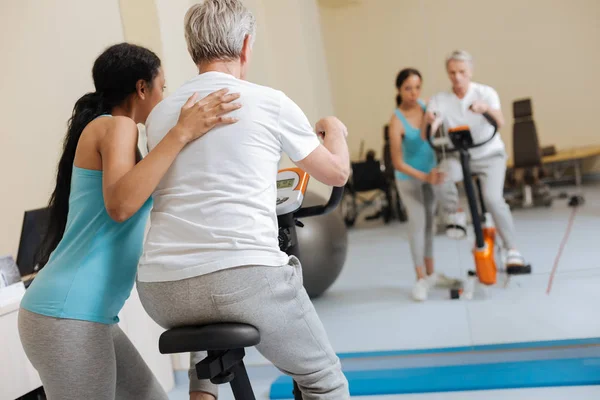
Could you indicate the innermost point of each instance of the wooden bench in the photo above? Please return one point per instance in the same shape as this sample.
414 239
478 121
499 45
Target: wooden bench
566 158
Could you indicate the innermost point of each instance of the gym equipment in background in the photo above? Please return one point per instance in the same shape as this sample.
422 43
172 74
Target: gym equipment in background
528 169
461 140
225 343
371 185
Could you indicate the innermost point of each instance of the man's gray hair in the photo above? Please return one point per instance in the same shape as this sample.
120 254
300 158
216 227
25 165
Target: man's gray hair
460 55
216 29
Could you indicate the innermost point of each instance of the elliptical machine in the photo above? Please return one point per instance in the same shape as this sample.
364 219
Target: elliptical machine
484 252
225 343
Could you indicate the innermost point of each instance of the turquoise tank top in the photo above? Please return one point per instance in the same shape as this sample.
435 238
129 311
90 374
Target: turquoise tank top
416 152
92 271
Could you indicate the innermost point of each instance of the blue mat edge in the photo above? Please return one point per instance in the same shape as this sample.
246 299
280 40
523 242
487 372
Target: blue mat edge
458 378
281 388
484 347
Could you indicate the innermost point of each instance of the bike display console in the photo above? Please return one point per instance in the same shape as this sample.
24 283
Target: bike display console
291 186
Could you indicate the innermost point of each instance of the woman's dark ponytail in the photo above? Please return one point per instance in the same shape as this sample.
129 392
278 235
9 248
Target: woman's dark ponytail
86 109
116 73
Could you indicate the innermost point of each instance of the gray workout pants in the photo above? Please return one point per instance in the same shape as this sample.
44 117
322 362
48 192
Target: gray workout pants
419 199
491 171
86 360
270 298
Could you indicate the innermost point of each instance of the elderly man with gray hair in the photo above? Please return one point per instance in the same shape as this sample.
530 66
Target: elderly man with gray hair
212 252
465 104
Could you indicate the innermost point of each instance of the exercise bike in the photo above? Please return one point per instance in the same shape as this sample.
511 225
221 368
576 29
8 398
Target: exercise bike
484 252
225 343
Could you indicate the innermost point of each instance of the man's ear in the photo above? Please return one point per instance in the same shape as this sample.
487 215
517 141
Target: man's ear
246 49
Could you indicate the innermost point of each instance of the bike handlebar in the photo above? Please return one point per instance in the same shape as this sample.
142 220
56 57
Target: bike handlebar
487 116
491 120
334 200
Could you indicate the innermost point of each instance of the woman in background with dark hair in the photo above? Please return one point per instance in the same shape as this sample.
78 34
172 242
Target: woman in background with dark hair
98 213
414 163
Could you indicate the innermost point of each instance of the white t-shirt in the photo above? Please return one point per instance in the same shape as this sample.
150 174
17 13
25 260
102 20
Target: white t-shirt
215 208
455 112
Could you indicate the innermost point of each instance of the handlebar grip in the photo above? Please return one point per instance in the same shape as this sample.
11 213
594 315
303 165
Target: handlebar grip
491 120
334 200
428 133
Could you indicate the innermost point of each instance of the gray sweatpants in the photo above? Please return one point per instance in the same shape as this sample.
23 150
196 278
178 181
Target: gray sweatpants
86 360
419 199
491 171
270 298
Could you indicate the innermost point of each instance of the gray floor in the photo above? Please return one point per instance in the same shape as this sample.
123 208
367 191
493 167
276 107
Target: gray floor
374 291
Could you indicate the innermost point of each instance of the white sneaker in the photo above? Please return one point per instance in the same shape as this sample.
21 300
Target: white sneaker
456 225
514 259
420 289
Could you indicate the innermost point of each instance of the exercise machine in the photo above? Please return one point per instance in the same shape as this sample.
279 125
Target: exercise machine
370 187
484 252
225 343
528 189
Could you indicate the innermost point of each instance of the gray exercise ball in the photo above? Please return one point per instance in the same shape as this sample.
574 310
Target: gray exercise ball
323 245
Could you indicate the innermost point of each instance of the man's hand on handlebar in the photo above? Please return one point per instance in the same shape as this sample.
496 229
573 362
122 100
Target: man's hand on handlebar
435 176
479 107
430 117
432 122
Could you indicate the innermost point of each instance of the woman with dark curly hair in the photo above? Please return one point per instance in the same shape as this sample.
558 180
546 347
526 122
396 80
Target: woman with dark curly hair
98 213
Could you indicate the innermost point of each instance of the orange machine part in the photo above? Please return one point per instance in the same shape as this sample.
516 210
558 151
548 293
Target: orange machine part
489 235
485 264
303 178
459 128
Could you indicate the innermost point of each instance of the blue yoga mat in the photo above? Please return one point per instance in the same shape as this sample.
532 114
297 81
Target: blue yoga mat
507 375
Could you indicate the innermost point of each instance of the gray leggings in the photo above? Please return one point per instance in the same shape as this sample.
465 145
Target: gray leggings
270 298
86 360
419 199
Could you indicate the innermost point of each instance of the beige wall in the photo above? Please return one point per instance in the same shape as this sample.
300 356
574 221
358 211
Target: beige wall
546 49
293 50
178 64
48 48
296 54
140 20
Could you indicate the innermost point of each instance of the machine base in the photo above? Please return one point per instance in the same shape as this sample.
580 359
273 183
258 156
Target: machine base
519 270
455 293
457 289
576 201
